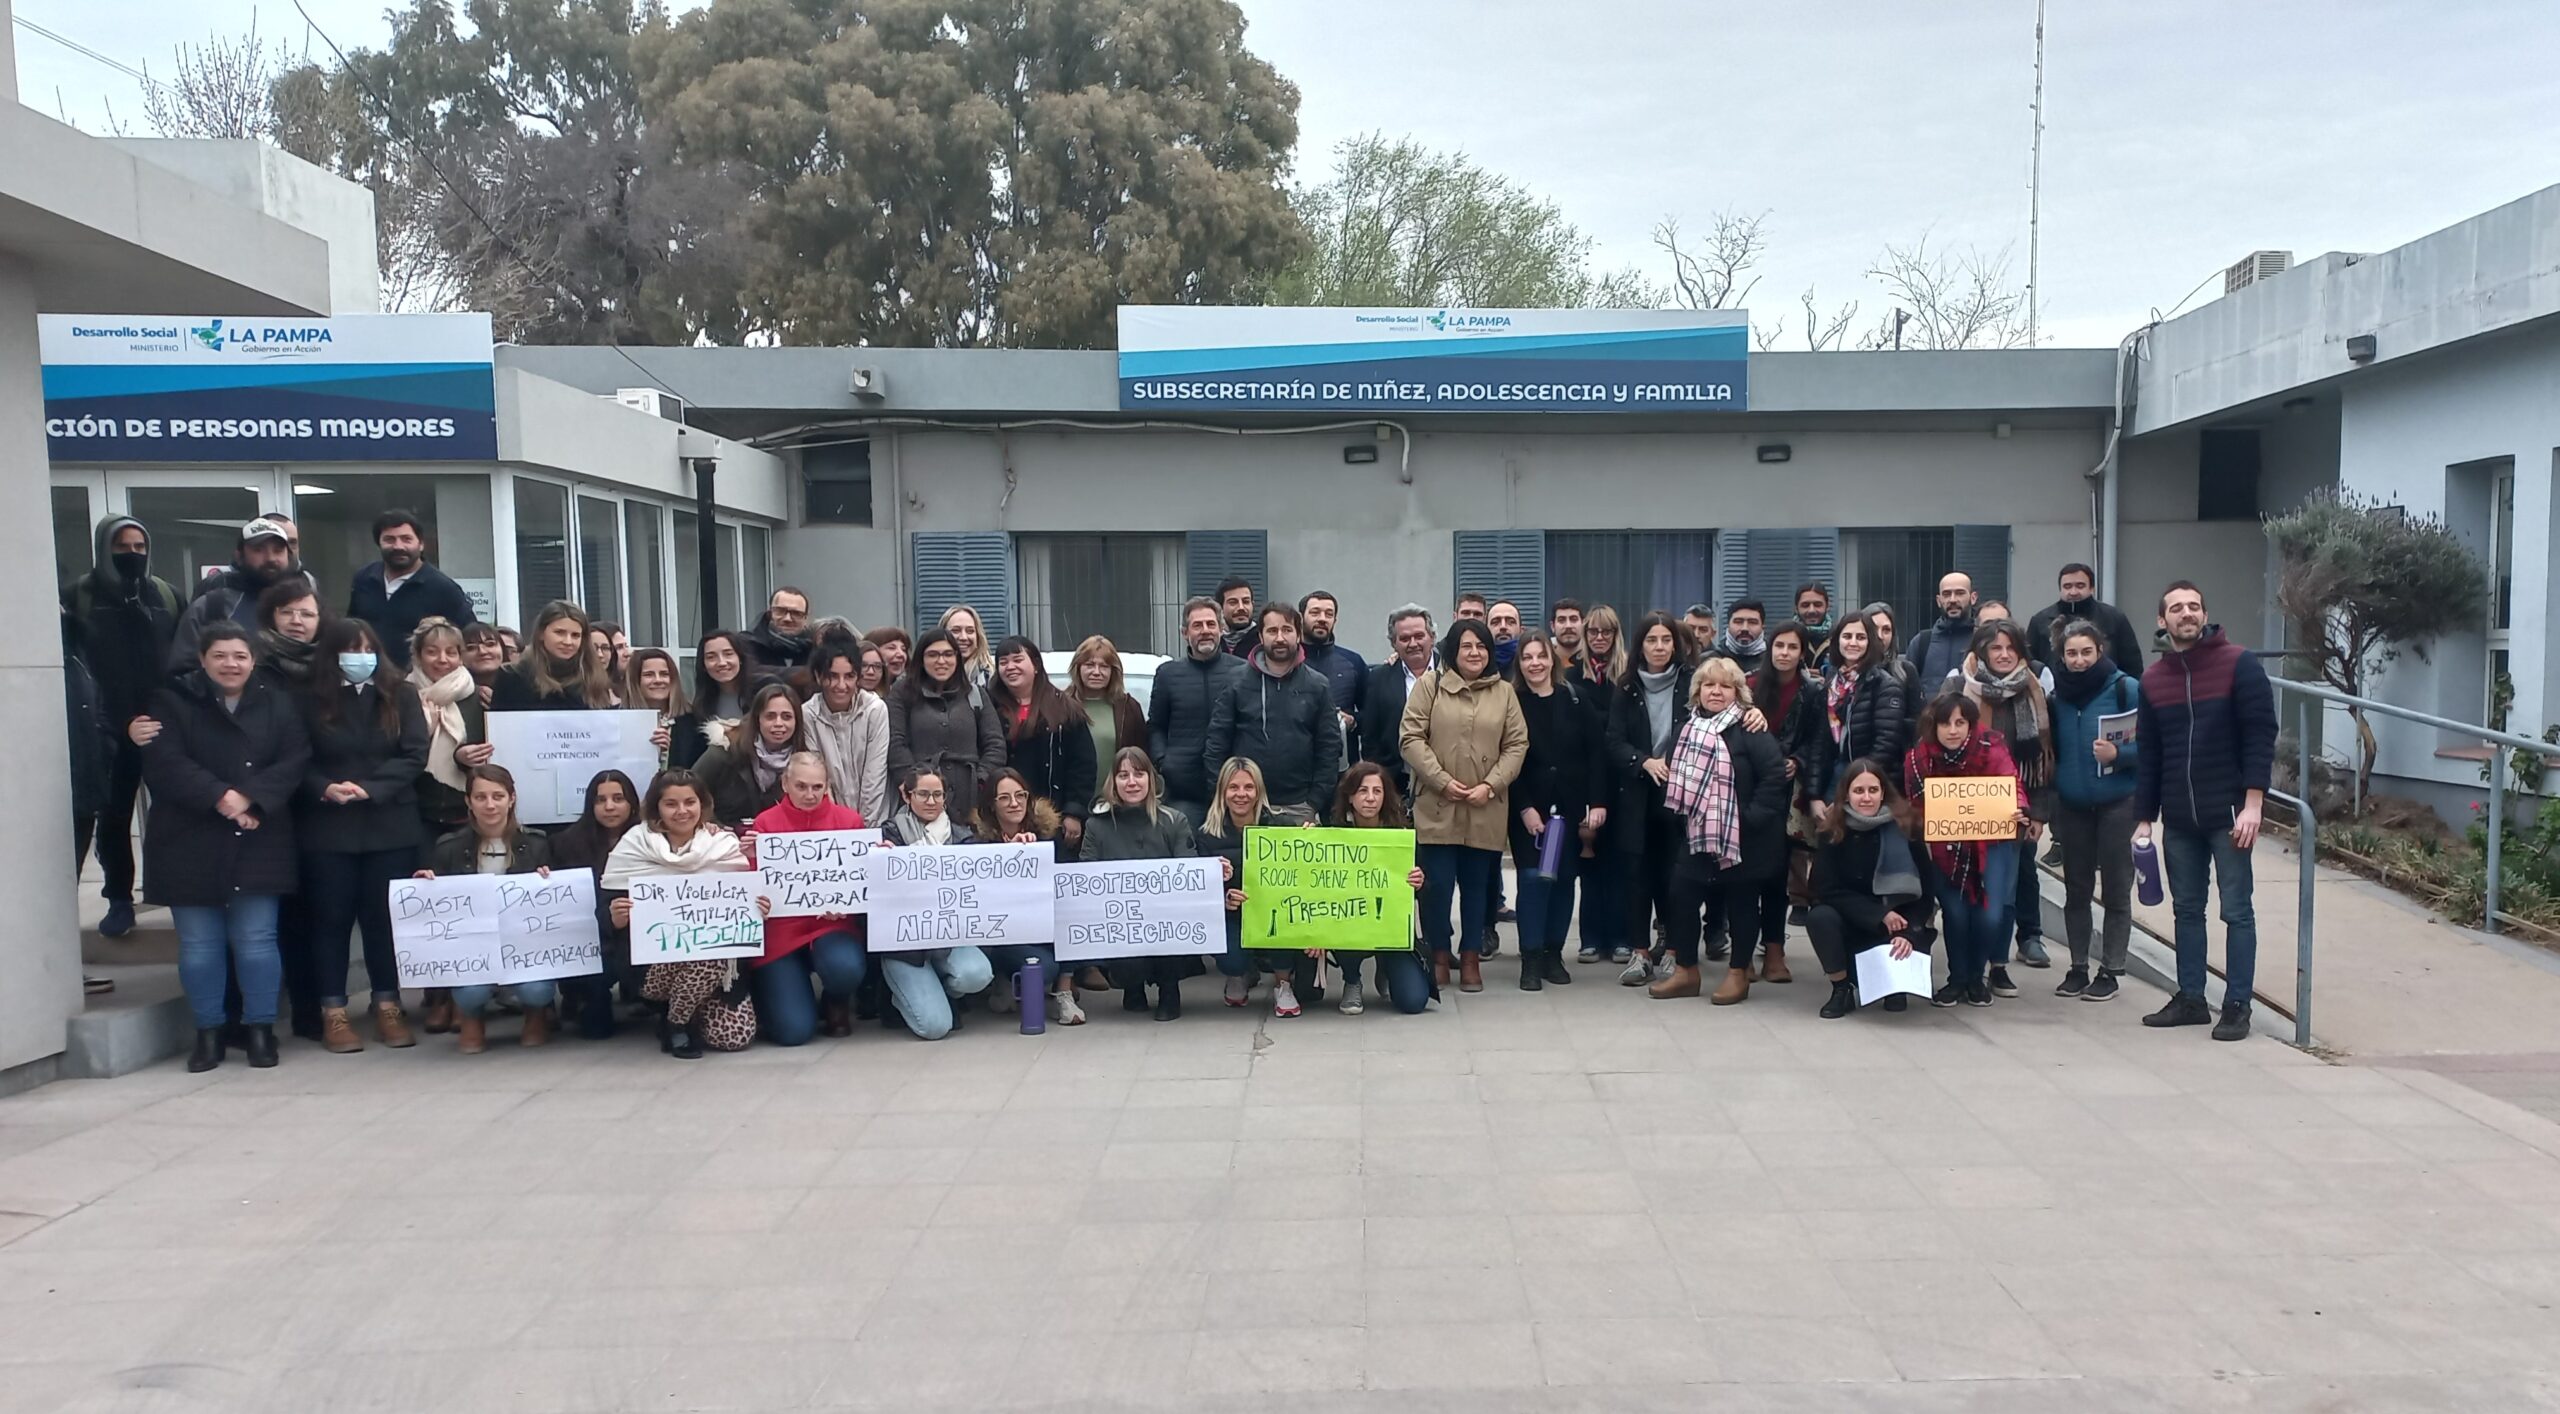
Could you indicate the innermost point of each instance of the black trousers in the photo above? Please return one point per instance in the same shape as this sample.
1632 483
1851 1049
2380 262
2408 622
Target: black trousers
112 828
1701 892
1647 870
1843 928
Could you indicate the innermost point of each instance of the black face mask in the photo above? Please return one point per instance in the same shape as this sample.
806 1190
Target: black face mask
132 565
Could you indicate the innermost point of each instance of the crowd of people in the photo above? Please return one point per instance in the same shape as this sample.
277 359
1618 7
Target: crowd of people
1699 786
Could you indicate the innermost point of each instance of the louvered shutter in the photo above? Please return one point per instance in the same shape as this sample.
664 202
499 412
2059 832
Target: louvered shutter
1982 551
1768 565
972 567
1503 564
1215 555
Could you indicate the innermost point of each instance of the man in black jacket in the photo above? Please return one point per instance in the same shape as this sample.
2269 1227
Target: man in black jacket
1939 649
2079 585
126 617
401 590
1382 696
780 640
1280 716
1235 610
1744 639
1344 671
264 556
1186 689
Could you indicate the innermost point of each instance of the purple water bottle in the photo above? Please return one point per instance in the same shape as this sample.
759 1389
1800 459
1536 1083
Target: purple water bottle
1032 990
2146 872
1551 844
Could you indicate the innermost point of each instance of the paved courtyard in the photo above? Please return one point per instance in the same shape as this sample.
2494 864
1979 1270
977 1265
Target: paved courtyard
1579 1199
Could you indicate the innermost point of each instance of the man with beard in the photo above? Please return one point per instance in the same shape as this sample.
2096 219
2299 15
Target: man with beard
1700 622
126 615
1564 625
1235 610
1742 639
1940 649
2079 586
1186 690
780 640
1343 669
264 555
1280 717
401 590
1813 610
1503 617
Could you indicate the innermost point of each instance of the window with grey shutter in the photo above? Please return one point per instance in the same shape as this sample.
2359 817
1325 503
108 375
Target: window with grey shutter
1503 564
1769 565
972 567
1982 552
1218 555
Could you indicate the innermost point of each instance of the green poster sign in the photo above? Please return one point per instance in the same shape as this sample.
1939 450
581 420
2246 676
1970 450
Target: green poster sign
1346 890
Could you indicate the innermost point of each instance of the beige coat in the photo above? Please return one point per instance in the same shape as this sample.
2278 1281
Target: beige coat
1467 731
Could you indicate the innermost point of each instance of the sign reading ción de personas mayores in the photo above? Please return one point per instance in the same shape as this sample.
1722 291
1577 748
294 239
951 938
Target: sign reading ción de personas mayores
1207 358
196 388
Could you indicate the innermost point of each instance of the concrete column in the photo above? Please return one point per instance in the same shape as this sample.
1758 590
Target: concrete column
40 946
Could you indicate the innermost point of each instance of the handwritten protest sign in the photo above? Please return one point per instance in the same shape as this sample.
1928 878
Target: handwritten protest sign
555 754
695 917
491 929
1140 908
961 895
811 872
1345 890
1969 808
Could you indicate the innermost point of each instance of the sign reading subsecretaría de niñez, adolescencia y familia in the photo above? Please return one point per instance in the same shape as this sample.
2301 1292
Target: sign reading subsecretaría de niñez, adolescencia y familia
1205 358
194 388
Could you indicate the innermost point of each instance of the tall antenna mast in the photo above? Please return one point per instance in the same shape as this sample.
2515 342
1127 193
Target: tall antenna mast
2035 177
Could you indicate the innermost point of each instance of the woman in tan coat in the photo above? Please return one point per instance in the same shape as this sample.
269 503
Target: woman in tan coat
1464 739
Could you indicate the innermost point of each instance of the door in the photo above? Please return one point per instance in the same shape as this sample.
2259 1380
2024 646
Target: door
79 503
194 515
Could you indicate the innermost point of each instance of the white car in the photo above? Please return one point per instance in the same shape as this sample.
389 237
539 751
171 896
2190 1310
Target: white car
1137 672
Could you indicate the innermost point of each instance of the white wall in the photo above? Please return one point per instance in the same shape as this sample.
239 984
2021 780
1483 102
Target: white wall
268 179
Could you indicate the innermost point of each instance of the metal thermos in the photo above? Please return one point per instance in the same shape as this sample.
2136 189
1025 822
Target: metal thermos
1551 843
2146 872
1031 987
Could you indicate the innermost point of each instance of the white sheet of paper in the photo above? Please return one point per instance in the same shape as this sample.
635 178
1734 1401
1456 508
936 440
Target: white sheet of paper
1879 976
555 754
1140 908
495 928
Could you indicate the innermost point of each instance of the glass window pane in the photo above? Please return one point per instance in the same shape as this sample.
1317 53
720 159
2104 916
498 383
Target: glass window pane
730 617
194 529
648 623
600 558
1127 588
756 548
336 512
542 545
688 583
2502 605
75 550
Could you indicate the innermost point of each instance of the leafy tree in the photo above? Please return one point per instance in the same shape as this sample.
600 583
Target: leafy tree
982 172
1398 224
2360 582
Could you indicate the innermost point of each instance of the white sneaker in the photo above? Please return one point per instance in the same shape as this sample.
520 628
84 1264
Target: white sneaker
1284 997
1239 991
1351 1003
1639 970
1064 1010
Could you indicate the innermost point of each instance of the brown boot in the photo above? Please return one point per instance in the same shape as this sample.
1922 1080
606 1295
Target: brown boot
337 1033
1683 982
537 1026
475 1034
839 1019
1470 972
391 1026
1736 986
1440 970
438 1017
1773 964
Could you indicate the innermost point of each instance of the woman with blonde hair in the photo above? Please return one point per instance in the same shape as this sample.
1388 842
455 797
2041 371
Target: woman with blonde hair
1095 683
969 634
1131 821
1243 803
1729 786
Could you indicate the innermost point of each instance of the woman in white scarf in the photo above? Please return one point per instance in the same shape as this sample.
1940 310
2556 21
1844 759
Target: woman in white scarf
457 740
850 729
679 837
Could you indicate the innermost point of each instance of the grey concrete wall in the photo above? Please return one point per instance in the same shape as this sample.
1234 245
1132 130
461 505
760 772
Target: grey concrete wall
266 178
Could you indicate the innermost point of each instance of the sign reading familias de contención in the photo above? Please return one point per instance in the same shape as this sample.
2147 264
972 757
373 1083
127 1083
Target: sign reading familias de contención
191 388
1209 358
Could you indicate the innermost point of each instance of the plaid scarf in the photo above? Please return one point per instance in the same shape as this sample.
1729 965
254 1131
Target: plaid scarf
1701 788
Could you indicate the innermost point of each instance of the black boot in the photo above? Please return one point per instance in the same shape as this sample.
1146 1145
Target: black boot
1844 1000
683 1044
208 1052
261 1047
1532 979
1551 967
1134 998
666 1034
1168 1001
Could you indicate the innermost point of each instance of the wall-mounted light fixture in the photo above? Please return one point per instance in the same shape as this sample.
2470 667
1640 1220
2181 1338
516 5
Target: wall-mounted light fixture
1359 454
1775 451
2360 348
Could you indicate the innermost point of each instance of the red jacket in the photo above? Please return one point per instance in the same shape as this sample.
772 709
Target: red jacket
784 936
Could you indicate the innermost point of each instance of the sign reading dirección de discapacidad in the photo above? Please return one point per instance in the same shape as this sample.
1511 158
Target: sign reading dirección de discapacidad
1969 808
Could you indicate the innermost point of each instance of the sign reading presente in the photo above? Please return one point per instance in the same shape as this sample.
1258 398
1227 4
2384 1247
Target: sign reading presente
1140 908
961 895
1223 358
490 929
193 388
694 917
1969 808
1345 890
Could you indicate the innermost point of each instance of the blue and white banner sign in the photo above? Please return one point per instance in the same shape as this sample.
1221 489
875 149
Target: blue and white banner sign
1200 358
194 388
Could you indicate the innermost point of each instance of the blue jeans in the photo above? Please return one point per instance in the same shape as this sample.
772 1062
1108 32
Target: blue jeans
2026 909
784 1005
1603 903
1469 873
1546 906
1407 986
921 985
212 940
2190 854
474 1001
1975 932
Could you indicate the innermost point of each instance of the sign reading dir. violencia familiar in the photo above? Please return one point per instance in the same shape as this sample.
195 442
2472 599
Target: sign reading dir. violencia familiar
1343 890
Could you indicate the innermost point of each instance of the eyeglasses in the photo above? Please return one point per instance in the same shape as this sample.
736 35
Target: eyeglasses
925 794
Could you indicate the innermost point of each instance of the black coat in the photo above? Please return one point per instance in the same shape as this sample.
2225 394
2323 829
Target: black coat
1346 673
737 798
458 852
2123 644
1287 726
128 629
354 747
512 690
1178 707
1567 769
1124 833
429 593
1804 729
1844 874
686 741
1381 721
1879 726
1630 745
440 805
1059 764
1761 789
192 856
93 741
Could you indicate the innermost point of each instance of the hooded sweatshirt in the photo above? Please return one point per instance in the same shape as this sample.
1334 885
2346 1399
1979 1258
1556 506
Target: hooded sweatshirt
1284 722
784 936
129 617
855 744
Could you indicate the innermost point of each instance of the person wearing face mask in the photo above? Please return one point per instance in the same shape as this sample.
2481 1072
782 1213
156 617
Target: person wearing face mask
1047 738
1742 642
401 590
494 843
264 558
1382 698
849 728
1186 691
218 842
612 807
827 949
742 776
128 618
1344 671
2078 589
357 821
557 672
1280 716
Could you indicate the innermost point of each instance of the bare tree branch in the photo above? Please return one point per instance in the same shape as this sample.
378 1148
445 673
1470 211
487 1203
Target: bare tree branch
222 88
1710 274
1959 300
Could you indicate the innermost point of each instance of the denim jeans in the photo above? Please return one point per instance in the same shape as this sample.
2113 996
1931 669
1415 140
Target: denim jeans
213 940
921 985
1546 905
474 1001
1468 873
784 1005
2190 854
1407 986
345 892
1976 932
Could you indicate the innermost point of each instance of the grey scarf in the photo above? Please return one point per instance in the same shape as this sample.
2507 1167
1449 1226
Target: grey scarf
769 761
2013 684
1896 875
1658 690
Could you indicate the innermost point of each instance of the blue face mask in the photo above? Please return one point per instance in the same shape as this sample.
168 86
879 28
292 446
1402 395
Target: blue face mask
357 667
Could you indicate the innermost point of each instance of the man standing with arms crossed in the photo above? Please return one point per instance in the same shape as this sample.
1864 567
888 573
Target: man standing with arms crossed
2208 734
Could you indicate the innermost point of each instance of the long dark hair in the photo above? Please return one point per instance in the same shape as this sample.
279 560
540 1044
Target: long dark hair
588 827
505 779
1050 708
582 677
1469 628
706 692
1875 653
1633 642
1835 825
749 730
324 689
1765 686
1391 814
915 682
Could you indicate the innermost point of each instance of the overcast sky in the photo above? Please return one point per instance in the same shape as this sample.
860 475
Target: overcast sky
2179 134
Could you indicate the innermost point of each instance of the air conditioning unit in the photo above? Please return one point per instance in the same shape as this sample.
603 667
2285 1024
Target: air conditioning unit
657 402
2258 265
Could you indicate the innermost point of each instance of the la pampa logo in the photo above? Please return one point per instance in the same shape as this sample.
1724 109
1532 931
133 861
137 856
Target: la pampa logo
209 335
217 335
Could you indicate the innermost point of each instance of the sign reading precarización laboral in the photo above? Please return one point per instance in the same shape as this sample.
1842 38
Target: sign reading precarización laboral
1203 358
193 388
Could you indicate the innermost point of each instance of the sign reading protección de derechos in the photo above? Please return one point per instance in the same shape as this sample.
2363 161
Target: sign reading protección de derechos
1345 890
1140 908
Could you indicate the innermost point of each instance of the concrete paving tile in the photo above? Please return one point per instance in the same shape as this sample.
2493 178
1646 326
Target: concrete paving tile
1467 1356
1642 1350
1969 1345
1569 1294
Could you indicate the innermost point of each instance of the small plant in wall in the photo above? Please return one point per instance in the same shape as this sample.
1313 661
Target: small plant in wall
2361 583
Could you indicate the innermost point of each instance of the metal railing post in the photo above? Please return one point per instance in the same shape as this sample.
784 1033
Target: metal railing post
2497 831
2307 834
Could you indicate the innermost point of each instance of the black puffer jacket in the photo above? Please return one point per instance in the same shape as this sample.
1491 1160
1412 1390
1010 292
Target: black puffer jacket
192 856
1879 727
354 747
1058 762
1178 708
1761 788
953 729
1286 725
1125 833
1802 729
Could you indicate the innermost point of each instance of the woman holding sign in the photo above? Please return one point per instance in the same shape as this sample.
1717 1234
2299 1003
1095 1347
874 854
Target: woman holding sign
923 985
744 773
2004 680
358 820
612 807
798 949
1974 874
1135 823
679 838
555 673
1367 799
1243 804
493 843
1867 885
1464 739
